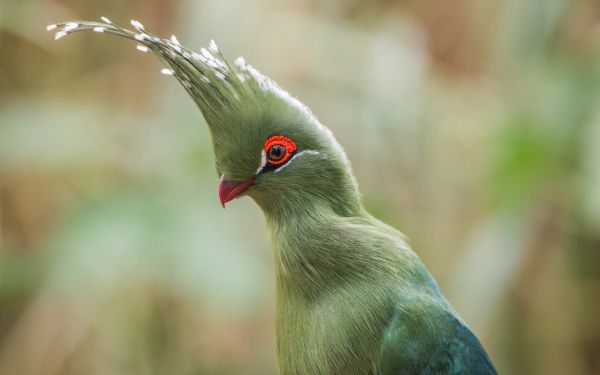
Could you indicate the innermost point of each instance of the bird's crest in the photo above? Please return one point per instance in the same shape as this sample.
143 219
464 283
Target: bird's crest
217 86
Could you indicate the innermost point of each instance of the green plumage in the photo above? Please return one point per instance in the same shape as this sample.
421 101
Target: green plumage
352 297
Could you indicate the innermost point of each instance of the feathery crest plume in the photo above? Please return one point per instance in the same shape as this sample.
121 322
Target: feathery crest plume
208 78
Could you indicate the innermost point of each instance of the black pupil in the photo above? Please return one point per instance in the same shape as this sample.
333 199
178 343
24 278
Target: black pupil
276 152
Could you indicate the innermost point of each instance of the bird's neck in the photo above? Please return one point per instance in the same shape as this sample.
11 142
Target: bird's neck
305 249
302 208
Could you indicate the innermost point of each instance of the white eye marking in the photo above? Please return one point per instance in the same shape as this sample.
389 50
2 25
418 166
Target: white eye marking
263 161
311 152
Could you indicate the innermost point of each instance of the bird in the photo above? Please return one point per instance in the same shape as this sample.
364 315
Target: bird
351 296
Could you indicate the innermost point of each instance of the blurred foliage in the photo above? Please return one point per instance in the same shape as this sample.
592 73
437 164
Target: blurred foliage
473 126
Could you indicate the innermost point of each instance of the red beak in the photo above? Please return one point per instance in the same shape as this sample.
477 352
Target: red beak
230 190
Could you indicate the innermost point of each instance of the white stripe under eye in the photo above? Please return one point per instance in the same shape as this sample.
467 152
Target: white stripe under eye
311 152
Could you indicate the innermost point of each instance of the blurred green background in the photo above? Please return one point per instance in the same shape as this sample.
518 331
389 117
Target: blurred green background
473 126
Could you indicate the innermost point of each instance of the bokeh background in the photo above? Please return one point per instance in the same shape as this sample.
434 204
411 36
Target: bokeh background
473 126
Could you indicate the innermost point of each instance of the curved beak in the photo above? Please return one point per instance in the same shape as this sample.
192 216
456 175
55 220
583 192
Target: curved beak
230 190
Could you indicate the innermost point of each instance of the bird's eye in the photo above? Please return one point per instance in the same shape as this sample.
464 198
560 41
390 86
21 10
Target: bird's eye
279 149
276 153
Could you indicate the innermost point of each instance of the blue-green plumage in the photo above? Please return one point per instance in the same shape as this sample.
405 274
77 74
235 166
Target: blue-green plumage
352 297
435 343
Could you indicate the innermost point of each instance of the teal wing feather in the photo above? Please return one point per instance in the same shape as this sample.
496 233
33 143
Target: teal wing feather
431 343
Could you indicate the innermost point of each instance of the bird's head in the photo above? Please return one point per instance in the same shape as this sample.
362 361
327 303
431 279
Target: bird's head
267 144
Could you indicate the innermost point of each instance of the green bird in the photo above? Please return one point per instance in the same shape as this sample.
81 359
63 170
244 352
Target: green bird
351 296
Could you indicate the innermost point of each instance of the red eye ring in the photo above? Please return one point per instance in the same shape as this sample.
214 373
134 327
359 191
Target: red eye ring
280 140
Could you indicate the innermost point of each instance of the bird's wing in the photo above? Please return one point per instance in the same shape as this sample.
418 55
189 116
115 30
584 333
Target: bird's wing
431 342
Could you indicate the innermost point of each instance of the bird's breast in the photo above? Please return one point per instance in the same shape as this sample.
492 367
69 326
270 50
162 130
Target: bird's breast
339 332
